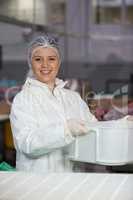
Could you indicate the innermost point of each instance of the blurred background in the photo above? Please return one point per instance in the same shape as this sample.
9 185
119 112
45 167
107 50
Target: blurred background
96 38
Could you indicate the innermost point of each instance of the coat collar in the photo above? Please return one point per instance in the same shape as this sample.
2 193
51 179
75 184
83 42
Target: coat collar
34 82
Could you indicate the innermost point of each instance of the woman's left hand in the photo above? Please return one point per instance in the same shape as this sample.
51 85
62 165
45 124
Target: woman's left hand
130 118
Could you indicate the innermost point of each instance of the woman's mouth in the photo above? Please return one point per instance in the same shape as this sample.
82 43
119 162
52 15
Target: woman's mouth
45 72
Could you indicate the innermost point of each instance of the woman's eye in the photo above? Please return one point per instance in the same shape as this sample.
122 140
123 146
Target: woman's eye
51 59
37 59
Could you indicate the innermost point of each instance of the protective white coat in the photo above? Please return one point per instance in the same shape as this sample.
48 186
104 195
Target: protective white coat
38 120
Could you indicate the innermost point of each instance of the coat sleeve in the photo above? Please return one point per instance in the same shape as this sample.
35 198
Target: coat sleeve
29 137
85 111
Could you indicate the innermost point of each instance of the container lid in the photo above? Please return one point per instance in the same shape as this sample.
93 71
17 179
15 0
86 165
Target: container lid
121 123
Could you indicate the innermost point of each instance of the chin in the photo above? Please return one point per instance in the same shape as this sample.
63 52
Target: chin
47 80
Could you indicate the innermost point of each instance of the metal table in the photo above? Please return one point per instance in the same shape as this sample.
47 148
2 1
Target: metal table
65 186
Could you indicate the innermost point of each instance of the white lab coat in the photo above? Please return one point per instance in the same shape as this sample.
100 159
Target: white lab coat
38 120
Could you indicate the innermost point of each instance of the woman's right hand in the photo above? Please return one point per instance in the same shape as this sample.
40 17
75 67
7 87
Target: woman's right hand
77 127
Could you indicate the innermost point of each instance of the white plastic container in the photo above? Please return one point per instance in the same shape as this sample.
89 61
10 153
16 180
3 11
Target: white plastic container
108 143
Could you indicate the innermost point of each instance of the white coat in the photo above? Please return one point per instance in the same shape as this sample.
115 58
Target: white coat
38 120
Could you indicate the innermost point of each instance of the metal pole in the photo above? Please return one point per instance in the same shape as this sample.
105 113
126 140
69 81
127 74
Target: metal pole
86 30
0 56
123 12
34 17
98 12
65 71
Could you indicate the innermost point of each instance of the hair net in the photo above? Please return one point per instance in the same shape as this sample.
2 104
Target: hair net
42 41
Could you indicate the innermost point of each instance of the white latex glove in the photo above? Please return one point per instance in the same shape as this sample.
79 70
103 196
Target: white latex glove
77 127
129 117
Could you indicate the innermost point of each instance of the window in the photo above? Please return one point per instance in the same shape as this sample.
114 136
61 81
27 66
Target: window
112 11
129 11
57 12
106 11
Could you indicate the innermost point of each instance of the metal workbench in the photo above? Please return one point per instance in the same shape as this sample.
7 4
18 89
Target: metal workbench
65 186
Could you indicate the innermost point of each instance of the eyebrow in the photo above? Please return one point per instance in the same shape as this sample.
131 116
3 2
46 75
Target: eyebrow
42 56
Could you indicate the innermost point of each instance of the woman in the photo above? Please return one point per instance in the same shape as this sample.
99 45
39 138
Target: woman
45 117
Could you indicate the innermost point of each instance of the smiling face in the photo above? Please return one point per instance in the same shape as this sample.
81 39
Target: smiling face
45 64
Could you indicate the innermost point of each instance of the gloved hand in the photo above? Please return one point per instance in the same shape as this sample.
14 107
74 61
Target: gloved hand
129 117
77 127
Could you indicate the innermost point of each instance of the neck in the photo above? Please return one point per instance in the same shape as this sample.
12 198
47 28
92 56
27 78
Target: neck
51 86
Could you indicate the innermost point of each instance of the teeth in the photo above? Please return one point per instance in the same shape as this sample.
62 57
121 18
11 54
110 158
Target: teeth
45 72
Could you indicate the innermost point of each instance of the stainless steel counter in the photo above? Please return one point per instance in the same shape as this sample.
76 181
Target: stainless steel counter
65 186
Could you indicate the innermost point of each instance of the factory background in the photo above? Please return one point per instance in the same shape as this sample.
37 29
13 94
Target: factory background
96 38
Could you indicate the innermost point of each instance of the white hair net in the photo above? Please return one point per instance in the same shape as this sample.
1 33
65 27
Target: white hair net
42 41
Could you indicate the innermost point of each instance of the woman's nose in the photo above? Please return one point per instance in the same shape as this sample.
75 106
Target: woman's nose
45 63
